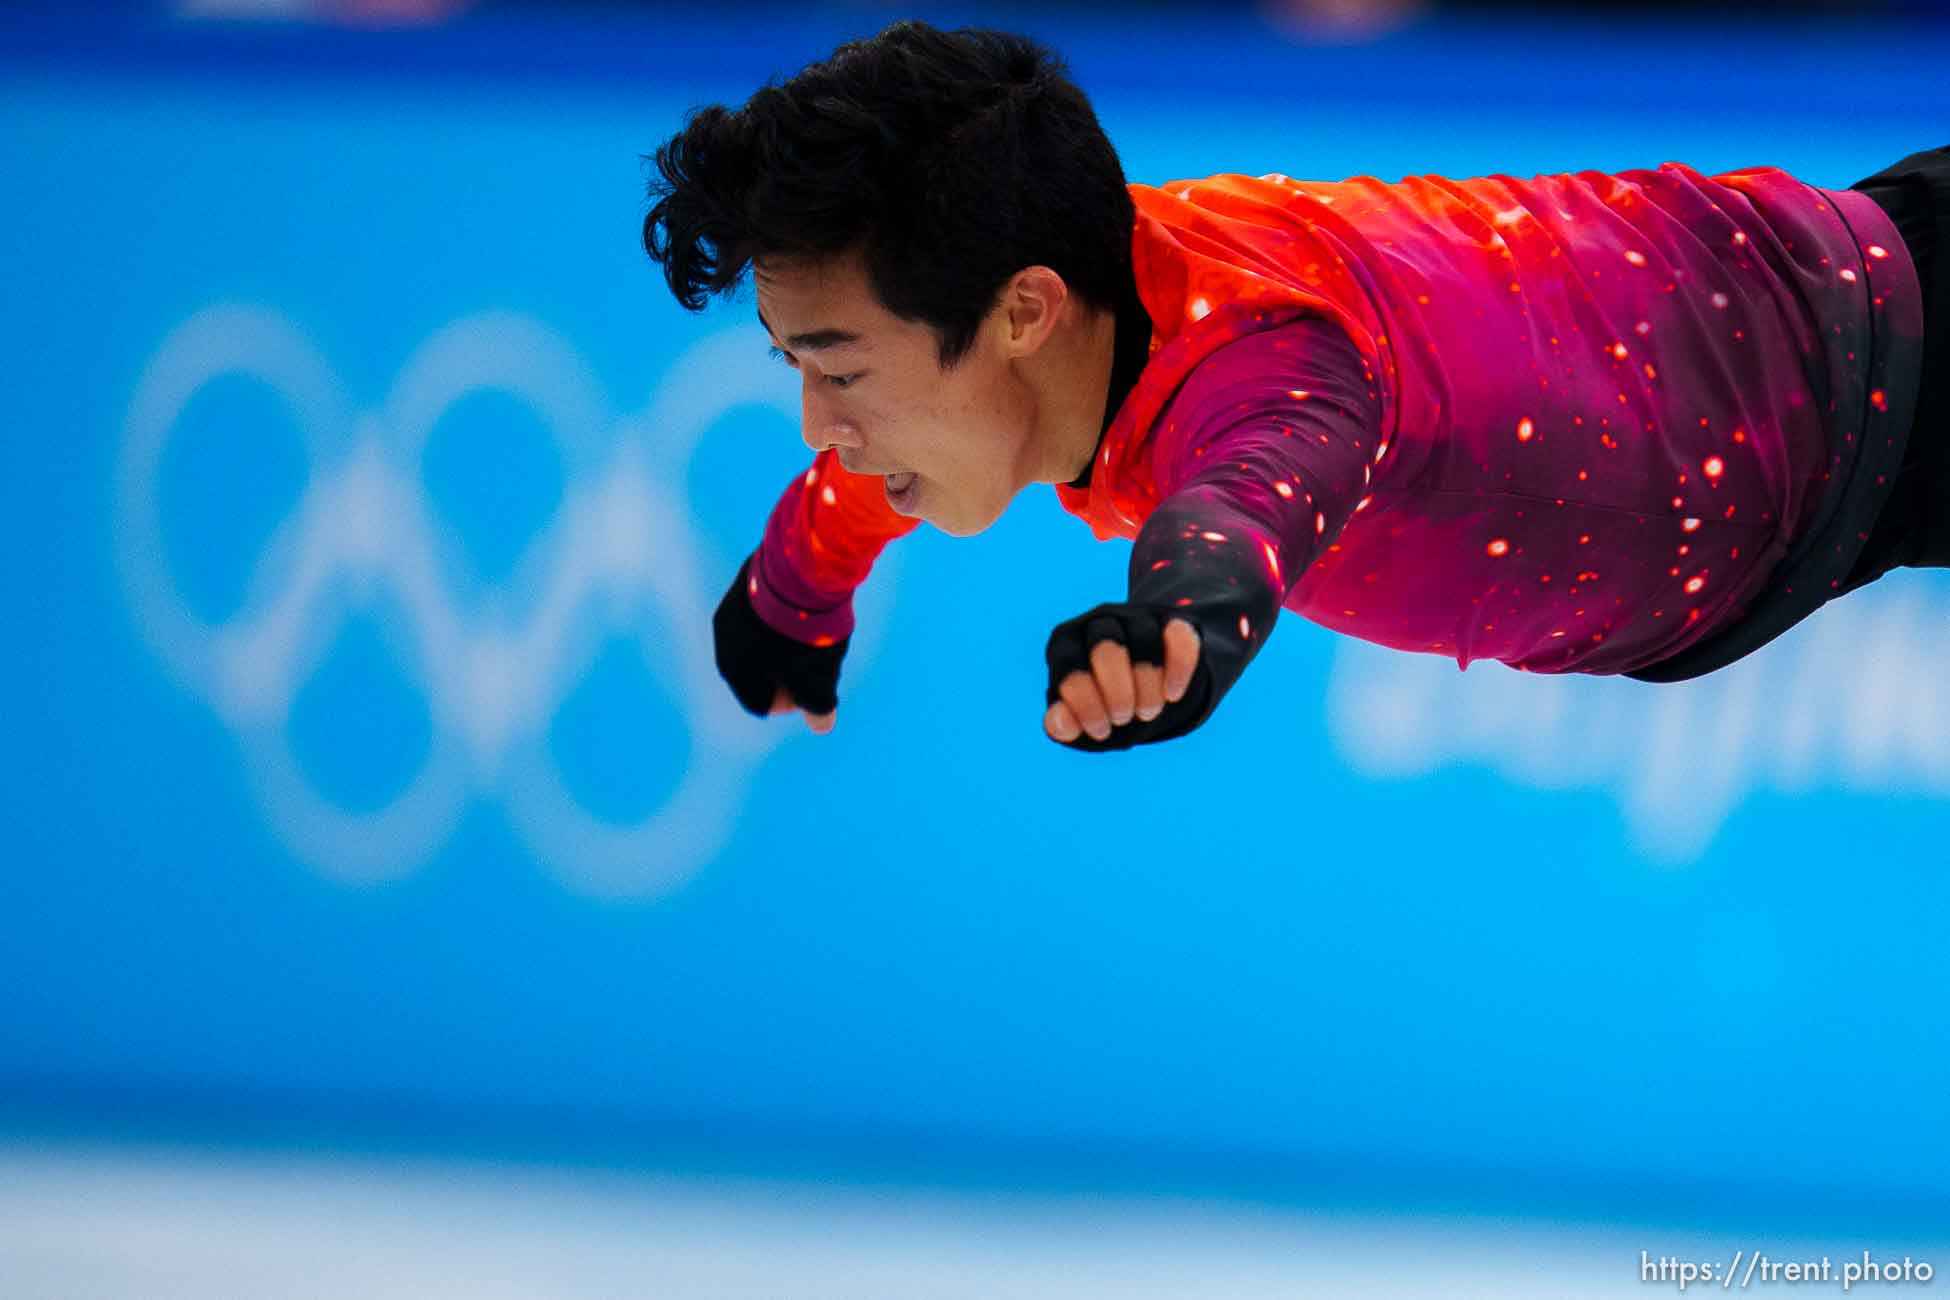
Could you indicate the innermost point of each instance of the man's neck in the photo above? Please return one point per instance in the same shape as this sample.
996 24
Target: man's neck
1073 400
1131 350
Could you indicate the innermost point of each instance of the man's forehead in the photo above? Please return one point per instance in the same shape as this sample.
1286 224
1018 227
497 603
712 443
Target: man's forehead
805 272
810 304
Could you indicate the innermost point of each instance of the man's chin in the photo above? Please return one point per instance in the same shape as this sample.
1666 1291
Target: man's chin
960 526
954 514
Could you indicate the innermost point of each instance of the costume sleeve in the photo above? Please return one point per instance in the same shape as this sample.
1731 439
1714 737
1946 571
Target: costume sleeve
827 529
1265 453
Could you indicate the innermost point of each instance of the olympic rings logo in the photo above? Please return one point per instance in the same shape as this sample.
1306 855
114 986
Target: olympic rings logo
620 557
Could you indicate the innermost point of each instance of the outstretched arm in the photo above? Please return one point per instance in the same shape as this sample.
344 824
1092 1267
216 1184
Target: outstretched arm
1267 448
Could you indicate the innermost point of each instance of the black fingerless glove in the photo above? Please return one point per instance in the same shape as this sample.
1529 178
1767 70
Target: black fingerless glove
1223 654
755 659
1141 630
1183 568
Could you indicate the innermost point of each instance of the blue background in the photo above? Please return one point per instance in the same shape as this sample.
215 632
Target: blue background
1382 932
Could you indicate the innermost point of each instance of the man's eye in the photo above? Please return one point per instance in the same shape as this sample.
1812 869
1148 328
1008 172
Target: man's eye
843 381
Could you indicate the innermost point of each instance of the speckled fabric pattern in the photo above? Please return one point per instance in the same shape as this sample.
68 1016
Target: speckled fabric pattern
1570 423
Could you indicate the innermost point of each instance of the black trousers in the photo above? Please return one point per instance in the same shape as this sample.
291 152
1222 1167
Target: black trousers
1913 529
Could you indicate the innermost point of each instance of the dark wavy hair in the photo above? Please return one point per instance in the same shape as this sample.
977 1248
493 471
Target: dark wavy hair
951 160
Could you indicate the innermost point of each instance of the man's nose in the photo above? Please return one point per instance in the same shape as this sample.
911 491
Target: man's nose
822 426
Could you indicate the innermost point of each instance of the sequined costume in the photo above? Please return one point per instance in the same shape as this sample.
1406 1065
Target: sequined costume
1574 423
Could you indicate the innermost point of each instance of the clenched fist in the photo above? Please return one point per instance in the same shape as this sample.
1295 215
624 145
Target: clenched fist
768 671
1123 675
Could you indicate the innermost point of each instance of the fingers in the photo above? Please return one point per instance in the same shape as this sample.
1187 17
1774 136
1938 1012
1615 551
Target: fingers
1079 691
1109 695
1100 699
820 723
1181 657
1111 663
1150 681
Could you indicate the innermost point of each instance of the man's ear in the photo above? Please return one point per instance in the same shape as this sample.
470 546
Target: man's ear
1032 303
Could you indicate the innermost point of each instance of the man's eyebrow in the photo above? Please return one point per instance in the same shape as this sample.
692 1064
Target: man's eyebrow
813 340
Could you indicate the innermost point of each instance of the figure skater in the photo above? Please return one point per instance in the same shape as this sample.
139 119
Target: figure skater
1636 423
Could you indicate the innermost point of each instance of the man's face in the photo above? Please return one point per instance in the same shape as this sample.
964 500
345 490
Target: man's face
874 390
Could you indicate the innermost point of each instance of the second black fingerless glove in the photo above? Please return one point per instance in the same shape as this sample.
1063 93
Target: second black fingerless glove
1180 568
1140 629
755 659
1139 626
